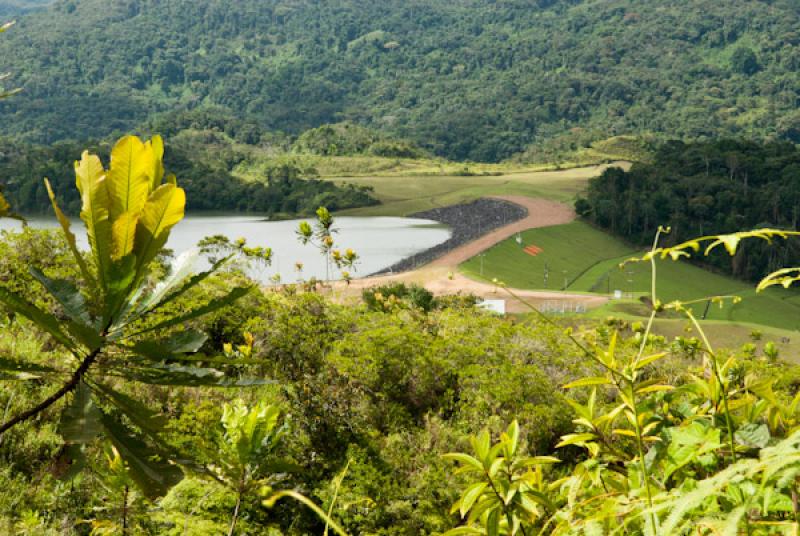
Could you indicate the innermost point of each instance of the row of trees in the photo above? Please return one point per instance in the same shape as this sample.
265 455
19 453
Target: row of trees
705 188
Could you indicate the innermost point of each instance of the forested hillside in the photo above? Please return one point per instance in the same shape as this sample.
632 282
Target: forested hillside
471 79
17 7
705 188
203 161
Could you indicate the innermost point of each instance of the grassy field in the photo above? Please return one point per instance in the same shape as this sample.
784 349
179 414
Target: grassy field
578 258
401 195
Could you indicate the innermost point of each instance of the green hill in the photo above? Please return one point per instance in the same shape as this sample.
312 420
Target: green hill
474 79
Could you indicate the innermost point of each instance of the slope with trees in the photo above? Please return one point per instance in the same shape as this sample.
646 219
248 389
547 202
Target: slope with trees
705 188
472 80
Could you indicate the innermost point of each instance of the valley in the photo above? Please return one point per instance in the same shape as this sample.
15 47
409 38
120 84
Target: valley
399 267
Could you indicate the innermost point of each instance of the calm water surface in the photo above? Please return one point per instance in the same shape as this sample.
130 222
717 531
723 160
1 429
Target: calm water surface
379 241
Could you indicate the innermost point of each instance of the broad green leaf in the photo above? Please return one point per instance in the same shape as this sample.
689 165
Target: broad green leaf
189 376
181 269
148 420
67 295
182 342
210 307
495 467
148 468
643 362
80 421
76 454
166 291
471 495
9 365
164 208
121 277
584 382
69 236
493 523
513 436
157 172
689 444
465 459
91 181
573 439
44 320
481 445
18 376
129 180
753 435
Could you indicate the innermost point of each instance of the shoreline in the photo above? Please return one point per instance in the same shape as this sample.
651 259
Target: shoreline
468 222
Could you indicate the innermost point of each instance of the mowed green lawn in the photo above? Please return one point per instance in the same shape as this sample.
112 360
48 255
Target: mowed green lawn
579 258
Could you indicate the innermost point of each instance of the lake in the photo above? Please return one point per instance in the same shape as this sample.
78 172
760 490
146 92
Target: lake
379 241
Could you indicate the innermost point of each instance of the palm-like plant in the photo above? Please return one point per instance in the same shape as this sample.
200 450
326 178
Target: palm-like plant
245 457
108 329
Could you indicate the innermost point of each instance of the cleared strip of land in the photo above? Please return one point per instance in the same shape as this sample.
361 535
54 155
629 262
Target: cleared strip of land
403 195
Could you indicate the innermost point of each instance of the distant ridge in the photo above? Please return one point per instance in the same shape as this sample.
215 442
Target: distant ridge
473 80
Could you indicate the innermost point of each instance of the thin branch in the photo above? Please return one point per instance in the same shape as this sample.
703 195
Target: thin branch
55 397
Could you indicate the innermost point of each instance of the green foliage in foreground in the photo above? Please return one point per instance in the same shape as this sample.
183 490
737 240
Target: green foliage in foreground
386 394
716 453
105 325
366 410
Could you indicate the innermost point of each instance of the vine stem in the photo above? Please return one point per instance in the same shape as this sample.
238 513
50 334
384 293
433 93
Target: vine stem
68 387
642 346
509 516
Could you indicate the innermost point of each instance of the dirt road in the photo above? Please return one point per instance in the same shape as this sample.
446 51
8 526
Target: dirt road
541 213
441 276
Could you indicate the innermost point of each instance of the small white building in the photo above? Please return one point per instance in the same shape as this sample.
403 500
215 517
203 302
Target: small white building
495 306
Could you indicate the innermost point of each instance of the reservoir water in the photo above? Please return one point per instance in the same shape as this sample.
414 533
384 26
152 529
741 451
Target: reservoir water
379 241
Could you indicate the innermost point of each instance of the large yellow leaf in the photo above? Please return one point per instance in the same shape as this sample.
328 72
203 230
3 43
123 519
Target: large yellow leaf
91 180
157 171
69 235
163 210
123 232
129 176
5 208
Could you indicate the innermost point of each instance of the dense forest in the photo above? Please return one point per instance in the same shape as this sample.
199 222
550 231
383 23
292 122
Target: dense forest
284 189
706 188
474 79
